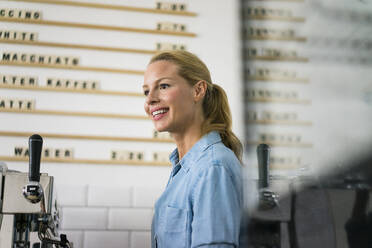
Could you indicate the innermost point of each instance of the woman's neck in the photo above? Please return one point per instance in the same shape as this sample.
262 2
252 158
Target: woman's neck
186 140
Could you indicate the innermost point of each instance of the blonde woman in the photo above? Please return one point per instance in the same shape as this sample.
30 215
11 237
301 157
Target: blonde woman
202 203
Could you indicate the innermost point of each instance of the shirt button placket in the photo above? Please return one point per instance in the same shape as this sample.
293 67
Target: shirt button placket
156 241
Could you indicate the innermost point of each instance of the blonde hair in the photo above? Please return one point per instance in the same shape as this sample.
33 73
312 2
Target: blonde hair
215 104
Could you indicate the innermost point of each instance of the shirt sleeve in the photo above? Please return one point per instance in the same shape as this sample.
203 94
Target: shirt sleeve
217 208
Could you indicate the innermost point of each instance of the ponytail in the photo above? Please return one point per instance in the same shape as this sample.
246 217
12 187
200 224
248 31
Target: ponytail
215 104
218 118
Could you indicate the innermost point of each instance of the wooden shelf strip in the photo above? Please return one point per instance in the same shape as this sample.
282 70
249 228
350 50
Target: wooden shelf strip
278 100
87 161
276 18
96 26
294 123
79 91
297 39
70 113
78 46
270 58
297 1
282 166
110 6
300 145
269 79
85 137
78 68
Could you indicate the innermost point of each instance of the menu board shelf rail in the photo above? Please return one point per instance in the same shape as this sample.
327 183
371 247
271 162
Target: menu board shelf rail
85 137
276 122
96 26
68 90
78 67
86 161
296 1
110 6
278 144
256 37
73 113
278 79
78 46
282 166
274 58
276 18
278 100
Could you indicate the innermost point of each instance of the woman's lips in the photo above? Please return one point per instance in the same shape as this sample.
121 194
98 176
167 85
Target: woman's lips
159 116
160 113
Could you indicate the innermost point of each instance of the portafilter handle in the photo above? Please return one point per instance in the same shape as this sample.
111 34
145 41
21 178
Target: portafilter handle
263 157
33 191
267 198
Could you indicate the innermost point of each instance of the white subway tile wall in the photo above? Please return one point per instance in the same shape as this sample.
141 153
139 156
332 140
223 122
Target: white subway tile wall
84 218
72 195
109 239
100 216
140 239
109 197
130 219
145 197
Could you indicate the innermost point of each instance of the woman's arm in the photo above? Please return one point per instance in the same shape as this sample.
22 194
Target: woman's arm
217 208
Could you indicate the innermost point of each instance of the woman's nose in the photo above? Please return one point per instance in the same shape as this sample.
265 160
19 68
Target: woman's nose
152 97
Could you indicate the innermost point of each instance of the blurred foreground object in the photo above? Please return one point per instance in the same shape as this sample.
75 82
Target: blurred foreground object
332 210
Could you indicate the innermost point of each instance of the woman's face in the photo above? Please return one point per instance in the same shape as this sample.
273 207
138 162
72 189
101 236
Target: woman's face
170 99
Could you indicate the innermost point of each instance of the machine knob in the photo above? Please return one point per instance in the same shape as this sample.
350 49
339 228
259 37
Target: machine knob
33 192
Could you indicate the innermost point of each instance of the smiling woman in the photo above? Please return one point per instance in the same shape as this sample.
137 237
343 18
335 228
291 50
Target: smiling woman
202 203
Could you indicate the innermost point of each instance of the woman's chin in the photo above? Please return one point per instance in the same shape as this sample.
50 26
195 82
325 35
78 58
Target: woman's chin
161 128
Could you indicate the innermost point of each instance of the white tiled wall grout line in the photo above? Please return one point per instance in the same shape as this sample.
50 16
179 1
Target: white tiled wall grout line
86 194
107 218
83 240
131 203
130 239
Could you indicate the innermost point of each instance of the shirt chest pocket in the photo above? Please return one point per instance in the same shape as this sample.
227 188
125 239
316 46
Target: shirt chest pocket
174 227
175 219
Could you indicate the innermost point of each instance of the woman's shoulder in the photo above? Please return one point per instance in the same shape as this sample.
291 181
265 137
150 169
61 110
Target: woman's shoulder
218 156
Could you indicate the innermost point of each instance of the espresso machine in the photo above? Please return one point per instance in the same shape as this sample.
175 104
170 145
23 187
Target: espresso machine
29 215
332 210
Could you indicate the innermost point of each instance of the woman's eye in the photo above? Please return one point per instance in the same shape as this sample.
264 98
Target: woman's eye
146 92
164 86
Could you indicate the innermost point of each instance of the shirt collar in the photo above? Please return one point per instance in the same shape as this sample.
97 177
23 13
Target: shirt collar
196 150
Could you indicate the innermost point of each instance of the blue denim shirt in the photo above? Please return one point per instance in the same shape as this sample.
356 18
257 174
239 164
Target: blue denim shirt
202 203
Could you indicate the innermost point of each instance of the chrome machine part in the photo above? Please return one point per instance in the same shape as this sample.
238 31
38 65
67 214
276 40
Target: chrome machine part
28 205
33 192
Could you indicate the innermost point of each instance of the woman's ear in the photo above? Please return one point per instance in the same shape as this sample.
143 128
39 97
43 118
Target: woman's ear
200 88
